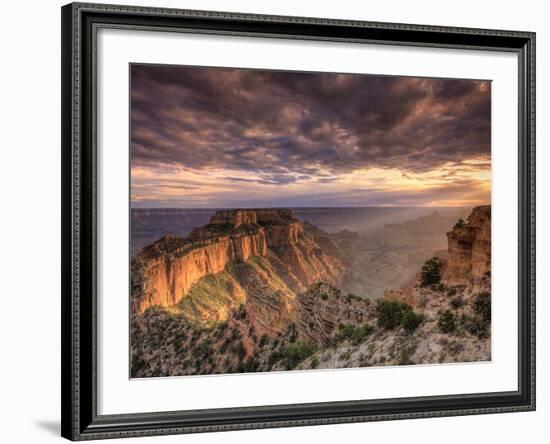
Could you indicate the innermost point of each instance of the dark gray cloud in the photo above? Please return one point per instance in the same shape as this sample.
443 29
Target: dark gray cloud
286 126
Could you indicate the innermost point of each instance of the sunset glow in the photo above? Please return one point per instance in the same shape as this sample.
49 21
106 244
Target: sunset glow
213 138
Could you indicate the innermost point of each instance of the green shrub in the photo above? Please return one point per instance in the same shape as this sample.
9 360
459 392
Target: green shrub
240 313
225 345
411 321
360 333
482 306
390 313
222 326
446 322
137 363
251 365
292 332
451 291
314 362
203 350
457 302
352 296
455 348
264 340
274 357
460 223
405 355
431 272
344 356
235 334
346 331
239 350
292 354
179 345
477 327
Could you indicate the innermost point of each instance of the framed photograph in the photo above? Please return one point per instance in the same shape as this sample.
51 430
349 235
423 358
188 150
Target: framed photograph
282 221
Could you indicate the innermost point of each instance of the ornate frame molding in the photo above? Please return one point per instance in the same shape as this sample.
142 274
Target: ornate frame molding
80 22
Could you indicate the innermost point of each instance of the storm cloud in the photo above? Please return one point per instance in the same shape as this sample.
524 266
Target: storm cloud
280 128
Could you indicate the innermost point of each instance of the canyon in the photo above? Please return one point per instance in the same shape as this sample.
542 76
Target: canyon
261 290
286 257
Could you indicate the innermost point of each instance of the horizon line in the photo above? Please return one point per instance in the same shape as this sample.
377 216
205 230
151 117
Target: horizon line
292 206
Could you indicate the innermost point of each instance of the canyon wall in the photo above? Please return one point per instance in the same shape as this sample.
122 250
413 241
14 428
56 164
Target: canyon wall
164 272
253 216
323 308
469 249
166 277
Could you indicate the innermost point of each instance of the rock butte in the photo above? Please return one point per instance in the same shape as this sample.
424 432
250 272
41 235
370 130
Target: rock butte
469 259
466 262
163 273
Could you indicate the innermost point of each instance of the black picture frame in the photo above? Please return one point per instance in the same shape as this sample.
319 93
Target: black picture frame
80 420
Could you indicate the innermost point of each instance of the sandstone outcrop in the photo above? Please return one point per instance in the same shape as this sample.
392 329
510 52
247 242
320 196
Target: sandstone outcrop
254 216
469 250
164 273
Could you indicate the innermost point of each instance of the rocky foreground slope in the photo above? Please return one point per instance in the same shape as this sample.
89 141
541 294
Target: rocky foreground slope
259 290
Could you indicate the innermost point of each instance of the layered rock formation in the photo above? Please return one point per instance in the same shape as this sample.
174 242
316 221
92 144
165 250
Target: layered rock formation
469 251
452 311
258 290
465 264
323 308
164 273
255 216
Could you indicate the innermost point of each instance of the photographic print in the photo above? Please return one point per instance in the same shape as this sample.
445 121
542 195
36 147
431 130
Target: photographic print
288 220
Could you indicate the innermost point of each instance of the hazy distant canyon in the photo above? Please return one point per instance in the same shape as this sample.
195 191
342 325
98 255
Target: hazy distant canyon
385 246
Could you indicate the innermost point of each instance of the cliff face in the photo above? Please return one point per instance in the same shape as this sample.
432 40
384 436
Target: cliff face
247 217
469 249
164 273
263 291
168 276
323 308
465 264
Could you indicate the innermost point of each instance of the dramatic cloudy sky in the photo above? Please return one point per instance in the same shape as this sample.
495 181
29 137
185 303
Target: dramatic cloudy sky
210 138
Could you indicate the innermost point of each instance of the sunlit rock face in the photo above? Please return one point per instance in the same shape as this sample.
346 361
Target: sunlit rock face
253 216
164 272
167 277
469 260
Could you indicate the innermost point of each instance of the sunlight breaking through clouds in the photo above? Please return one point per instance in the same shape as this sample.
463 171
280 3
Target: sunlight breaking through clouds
204 137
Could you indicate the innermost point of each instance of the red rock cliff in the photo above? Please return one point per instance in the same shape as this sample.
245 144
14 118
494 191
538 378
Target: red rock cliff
252 216
165 271
470 249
